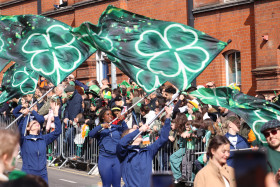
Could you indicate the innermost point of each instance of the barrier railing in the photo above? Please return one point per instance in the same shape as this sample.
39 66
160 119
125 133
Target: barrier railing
75 147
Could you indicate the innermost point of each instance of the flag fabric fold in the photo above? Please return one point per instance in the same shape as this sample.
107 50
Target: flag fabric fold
149 51
170 51
43 45
18 81
254 111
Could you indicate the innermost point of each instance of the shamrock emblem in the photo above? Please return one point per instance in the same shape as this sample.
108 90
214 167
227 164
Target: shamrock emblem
53 52
145 79
104 43
88 30
162 51
24 81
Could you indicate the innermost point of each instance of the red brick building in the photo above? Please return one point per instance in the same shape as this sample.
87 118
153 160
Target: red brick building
253 26
251 60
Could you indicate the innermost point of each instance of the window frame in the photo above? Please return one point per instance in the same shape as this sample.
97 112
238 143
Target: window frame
235 65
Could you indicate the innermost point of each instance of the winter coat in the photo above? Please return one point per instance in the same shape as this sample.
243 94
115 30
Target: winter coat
108 138
74 106
136 162
81 85
212 175
33 148
241 144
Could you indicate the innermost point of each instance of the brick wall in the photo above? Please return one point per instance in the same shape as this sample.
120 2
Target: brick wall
244 24
237 24
175 10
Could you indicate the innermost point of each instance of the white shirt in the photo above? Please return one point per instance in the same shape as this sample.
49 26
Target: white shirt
226 182
233 140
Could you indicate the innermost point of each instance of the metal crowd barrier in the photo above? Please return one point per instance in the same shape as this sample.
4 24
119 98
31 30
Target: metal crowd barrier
73 148
5 120
66 147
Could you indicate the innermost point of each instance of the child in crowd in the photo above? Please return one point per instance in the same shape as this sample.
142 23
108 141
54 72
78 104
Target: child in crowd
82 130
188 159
176 158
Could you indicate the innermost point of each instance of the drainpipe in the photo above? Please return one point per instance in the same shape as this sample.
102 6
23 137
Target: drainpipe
190 14
191 24
39 7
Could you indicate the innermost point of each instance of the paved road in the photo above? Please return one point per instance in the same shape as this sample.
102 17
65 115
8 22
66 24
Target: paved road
66 177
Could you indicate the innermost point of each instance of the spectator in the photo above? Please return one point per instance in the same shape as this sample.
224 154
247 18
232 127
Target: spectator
82 130
271 131
136 108
168 93
177 157
63 4
216 172
43 83
38 94
147 114
105 84
44 110
73 108
236 141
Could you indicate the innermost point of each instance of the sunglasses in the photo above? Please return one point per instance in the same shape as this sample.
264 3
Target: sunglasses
267 133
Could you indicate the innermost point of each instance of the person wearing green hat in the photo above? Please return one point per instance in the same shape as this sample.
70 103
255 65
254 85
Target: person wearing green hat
93 91
106 95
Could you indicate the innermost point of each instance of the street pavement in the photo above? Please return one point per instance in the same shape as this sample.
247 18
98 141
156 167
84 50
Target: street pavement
66 177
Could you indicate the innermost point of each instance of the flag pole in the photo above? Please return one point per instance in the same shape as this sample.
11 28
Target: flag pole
127 110
30 107
130 108
150 123
28 118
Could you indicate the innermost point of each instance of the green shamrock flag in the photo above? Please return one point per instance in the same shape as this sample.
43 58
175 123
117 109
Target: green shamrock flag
42 44
168 51
18 81
253 110
145 79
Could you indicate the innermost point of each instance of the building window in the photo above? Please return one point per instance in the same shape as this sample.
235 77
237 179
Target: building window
233 68
227 1
278 54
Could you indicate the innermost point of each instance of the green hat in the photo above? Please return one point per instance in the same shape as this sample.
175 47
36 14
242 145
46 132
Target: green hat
16 174
107 95
94 88
126 84
71 83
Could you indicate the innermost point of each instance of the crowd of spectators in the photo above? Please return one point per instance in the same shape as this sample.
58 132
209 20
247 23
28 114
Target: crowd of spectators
193 123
